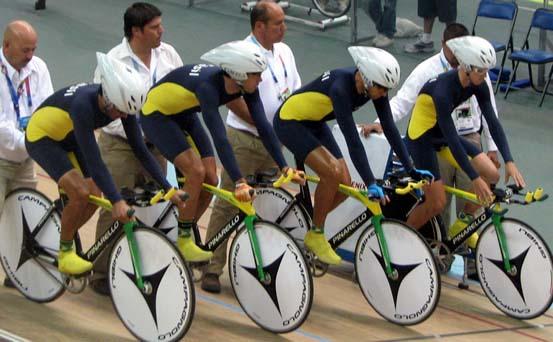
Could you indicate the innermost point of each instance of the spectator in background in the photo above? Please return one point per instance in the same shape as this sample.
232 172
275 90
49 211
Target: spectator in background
24 84
142 50
445 10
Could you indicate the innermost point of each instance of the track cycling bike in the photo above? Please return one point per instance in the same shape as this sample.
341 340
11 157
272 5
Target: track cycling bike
267 269
150 284
394 266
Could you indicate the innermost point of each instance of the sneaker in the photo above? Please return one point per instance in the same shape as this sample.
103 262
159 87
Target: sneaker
419 46
316 243
8 283
70 263
191 252
381 41
210 283
100 286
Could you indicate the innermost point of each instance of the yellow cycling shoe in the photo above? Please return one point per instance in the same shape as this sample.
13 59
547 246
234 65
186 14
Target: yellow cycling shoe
459 225
316 243
70 263
191 252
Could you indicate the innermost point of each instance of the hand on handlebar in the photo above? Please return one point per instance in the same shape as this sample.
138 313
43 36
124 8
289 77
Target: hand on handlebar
511 170
120 212
179 199
482 191
243 192
419 175
375 191
298 176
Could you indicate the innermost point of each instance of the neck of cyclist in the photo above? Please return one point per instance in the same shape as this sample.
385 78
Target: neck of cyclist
232 86
464 76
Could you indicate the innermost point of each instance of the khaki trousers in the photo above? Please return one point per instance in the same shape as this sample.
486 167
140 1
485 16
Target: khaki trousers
458 178
16 175
252 157
126 171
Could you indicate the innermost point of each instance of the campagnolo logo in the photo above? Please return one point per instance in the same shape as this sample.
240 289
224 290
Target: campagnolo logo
182 317
534 241
301 306
234 267
350 227
12 274
223 231
492 294
466 231
273 192
114 265
432 288
44 205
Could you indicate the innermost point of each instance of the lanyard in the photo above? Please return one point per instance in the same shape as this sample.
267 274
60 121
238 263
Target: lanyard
445 64
16 94
137 66
275 79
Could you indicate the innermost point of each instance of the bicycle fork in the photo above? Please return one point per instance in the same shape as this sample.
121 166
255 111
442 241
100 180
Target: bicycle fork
135 255
390 272
497 217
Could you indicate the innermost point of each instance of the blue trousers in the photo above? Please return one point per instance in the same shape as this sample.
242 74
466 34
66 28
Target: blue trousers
383 13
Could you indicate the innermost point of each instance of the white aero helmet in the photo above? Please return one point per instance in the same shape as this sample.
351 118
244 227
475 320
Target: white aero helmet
121 84
376 65
237 59
472 51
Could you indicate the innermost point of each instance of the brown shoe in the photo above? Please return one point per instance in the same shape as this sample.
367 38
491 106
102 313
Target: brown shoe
210 283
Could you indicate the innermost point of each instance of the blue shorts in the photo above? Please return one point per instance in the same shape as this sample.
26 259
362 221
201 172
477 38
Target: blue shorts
169 134
302 137
56 157
425 149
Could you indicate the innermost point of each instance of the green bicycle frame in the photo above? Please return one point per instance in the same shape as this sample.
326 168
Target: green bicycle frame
129 232
497 216
374 208
248 209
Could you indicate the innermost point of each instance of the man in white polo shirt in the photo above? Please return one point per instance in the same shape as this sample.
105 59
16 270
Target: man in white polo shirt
280 79
142 50
25 82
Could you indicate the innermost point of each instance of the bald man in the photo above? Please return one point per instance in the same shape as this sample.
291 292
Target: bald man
25 82
279 80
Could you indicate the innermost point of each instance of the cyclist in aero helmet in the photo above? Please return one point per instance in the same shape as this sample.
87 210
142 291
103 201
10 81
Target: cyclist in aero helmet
431 128
300 124
60 138
171 107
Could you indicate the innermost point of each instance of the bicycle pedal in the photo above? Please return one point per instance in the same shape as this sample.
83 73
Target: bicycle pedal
76 284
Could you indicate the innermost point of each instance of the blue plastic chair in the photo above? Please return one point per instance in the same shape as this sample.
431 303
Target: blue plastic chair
501 10
541 20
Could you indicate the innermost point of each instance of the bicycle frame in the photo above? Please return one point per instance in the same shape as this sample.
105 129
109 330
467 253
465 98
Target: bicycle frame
494 212
113 232
246 214
373 211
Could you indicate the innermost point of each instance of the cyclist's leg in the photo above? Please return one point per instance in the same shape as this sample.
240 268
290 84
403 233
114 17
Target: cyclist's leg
167 135
424 156
300 138
448 174
194 128
324 135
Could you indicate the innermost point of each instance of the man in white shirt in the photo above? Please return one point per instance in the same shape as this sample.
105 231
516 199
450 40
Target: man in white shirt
467 117
279 80
142 50
25 82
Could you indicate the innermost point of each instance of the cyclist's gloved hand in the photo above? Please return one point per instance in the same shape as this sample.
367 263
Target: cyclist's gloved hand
243 192
421 174
375 191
